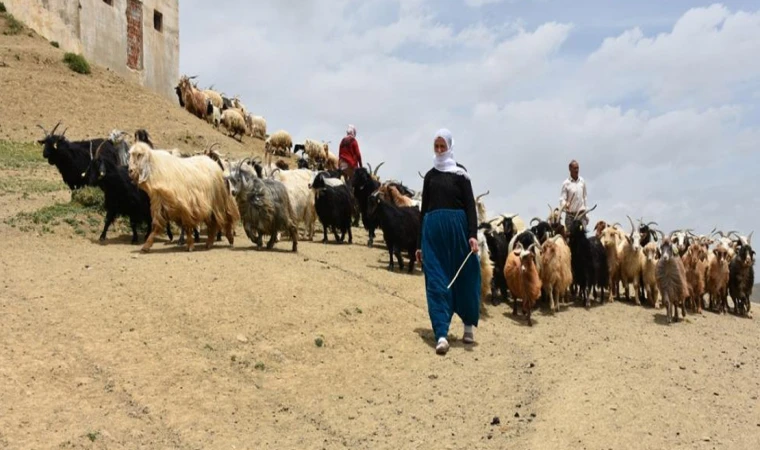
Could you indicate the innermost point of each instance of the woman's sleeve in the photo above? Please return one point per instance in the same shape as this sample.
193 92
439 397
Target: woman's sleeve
469 207
424 207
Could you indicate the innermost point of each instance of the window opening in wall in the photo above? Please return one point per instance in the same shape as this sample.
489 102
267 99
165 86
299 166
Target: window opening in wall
158 21
108 2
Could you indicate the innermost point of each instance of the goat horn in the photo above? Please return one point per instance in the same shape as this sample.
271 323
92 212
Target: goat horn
421 176
535 219
43 129
215 144
649 224
52 132
377 168
370 168
630 220
617 224
584 213
64 131
733 233
97 151
749 237
482 195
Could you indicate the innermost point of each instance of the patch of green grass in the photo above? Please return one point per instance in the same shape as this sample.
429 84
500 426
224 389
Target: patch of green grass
15 26
85 208
26 186
55 44
77 63
259 366
16 155
319 342
2 7
93 435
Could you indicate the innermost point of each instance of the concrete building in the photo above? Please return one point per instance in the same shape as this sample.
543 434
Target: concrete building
138 39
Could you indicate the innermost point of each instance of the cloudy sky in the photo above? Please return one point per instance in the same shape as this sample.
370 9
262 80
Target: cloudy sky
657 100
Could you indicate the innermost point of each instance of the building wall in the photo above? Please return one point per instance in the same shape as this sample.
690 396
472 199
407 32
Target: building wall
100 31
55 20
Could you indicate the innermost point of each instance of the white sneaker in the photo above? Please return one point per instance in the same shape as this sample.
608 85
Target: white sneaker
442 347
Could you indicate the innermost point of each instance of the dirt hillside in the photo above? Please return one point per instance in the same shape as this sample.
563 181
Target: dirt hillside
38 88
104 347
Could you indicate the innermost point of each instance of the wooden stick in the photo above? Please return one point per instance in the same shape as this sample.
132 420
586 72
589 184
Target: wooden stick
460 269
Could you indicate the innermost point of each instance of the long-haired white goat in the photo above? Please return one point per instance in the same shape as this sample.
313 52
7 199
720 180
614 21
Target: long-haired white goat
189 191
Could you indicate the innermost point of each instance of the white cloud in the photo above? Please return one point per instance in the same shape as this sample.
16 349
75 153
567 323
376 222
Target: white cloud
479 3
518 105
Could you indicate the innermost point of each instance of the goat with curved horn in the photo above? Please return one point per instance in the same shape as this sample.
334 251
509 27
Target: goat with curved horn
369 168
421 175
633 228
583 214
377 168
482 195
535 219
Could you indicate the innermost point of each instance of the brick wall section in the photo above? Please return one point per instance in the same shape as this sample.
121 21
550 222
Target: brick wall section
134 34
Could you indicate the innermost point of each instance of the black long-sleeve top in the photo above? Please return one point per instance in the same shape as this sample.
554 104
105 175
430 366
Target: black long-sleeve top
446 190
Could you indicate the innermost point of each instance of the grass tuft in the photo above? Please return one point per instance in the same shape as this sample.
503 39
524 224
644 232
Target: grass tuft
15 26
77 63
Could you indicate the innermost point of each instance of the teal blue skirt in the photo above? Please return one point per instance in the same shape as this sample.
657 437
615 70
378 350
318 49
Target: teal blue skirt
444 247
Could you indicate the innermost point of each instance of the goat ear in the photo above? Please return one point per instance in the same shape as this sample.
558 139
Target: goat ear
144 173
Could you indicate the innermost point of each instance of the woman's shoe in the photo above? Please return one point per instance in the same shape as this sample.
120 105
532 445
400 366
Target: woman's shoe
469 335
442 347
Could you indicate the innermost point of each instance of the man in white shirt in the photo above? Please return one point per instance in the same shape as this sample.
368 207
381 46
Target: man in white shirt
573 195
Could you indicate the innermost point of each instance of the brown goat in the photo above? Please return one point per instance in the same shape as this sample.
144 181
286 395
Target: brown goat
556 272
522 278
717 278
671 279
194 98
390 193
599 228
695 263
650 256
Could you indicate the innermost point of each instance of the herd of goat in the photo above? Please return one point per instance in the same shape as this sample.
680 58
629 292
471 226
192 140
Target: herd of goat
542 260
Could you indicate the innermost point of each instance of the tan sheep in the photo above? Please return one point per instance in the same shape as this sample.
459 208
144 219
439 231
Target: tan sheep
279 141
234 123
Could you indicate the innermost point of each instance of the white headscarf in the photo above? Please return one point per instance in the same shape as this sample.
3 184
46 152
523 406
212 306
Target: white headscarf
351 131
445 162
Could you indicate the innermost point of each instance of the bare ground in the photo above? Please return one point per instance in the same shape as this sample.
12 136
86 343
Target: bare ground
104 347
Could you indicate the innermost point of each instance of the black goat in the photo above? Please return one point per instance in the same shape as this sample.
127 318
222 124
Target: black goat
179 96
72 158
122 197
543 230
497 246
741 278
364 185
400 226
334 207
586 258
510 230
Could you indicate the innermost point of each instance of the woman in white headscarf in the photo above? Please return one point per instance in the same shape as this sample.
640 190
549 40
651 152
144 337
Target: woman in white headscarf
448 235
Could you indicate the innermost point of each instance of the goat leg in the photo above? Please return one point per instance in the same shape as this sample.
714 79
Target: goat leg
335 234
211 227
666 302
397 252
133 225
190 239
411 260
169 233
390 255
259 240
110 217
196 234
294 233
272 240
350 236
324 230
151 237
